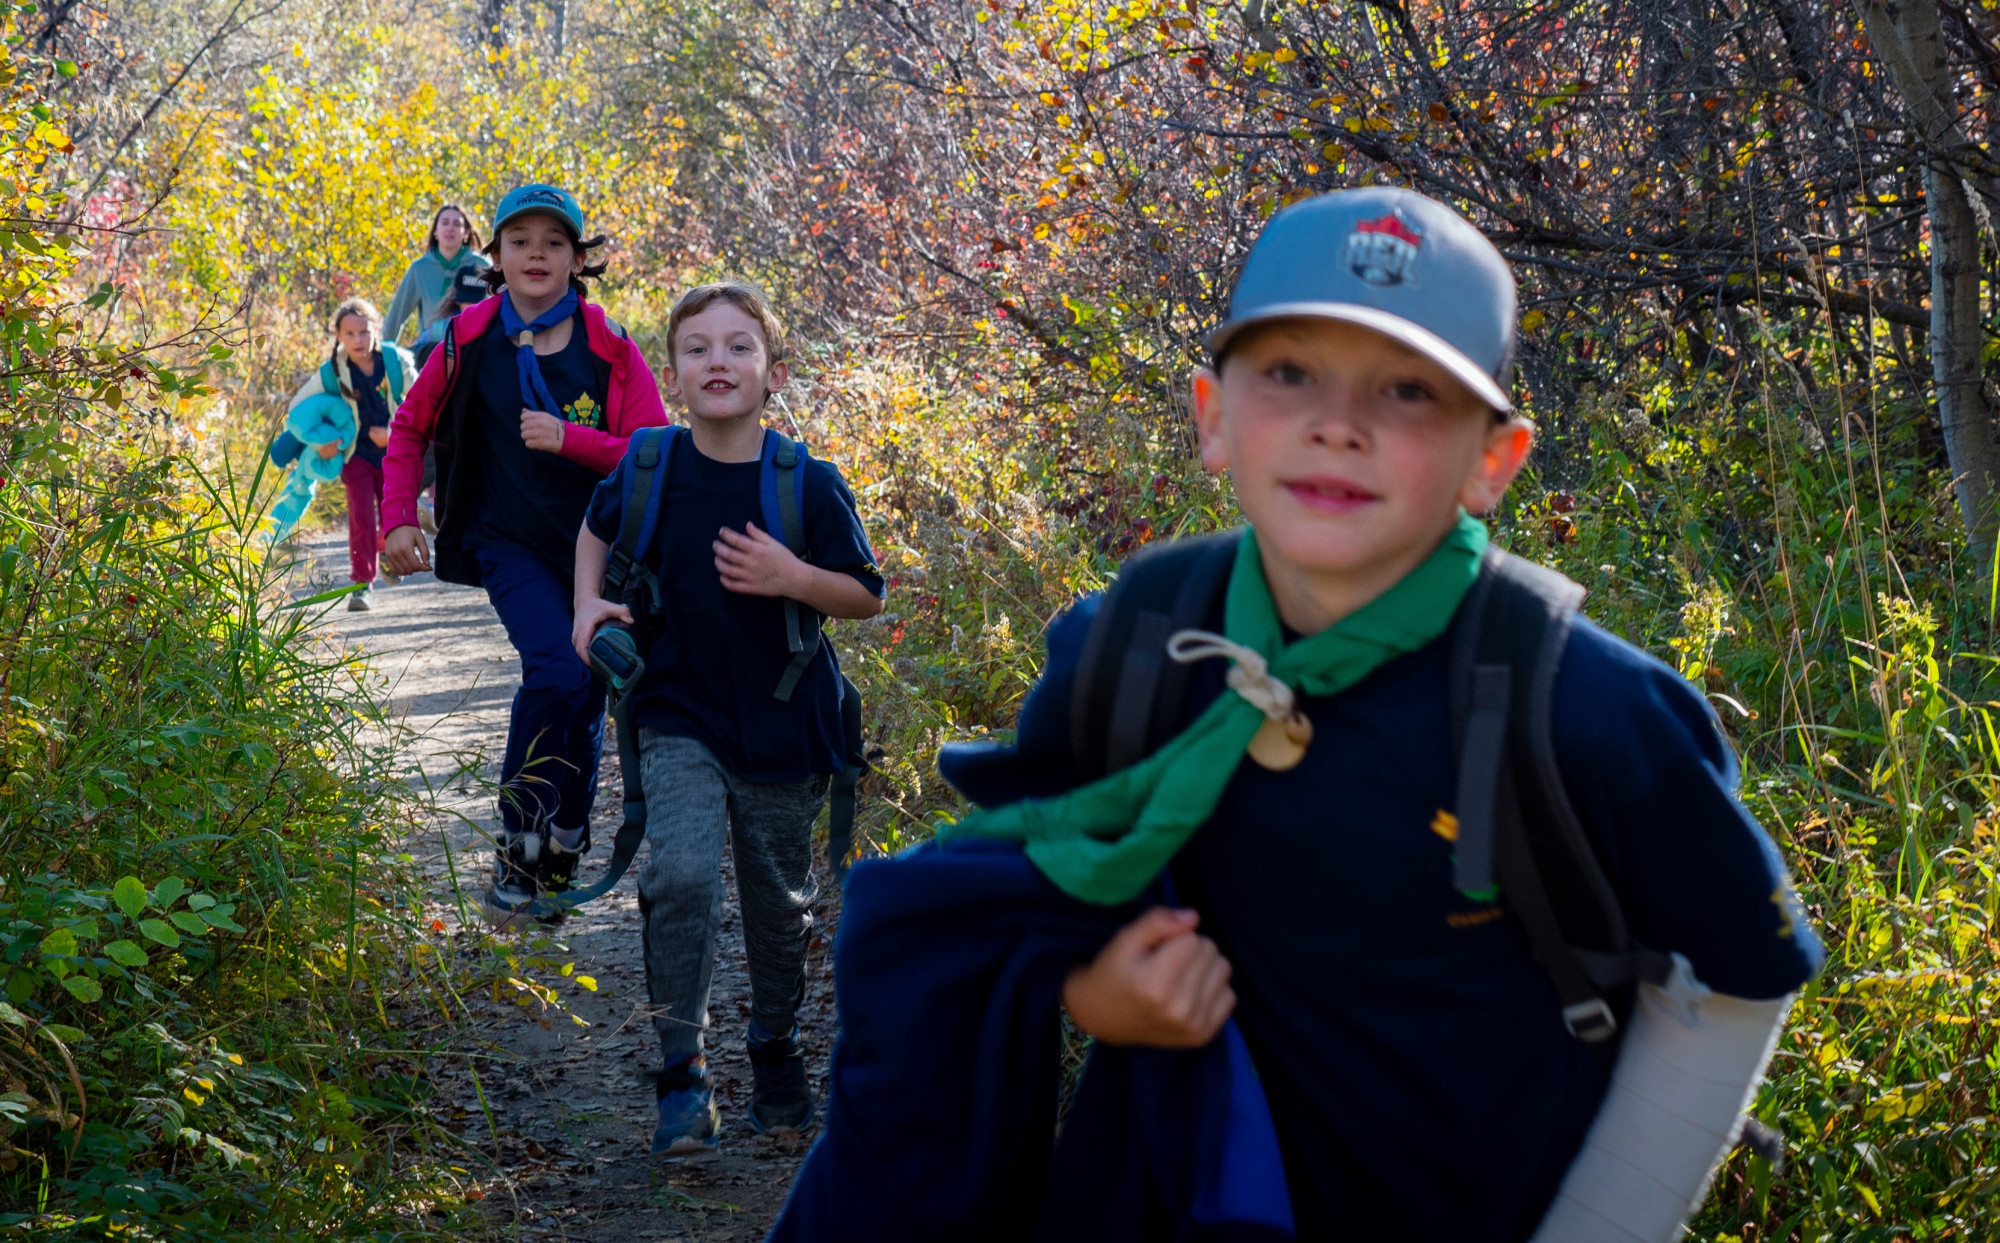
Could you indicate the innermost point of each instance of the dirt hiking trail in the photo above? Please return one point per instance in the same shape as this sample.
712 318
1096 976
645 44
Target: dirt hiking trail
572 1116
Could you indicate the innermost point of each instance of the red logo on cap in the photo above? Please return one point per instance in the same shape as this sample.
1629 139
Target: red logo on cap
1393 225
1383 251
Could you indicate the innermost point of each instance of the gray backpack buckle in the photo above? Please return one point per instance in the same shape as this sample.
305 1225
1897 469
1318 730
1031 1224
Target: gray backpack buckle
1590 1021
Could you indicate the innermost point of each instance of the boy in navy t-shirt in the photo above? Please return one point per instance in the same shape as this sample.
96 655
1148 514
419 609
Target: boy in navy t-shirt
1420 1075
720 751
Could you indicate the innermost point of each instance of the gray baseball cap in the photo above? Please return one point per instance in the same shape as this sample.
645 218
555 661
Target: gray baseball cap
1392 260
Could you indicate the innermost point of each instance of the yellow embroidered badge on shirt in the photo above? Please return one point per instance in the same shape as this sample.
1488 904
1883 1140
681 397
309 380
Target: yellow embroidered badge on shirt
1445 825
584 411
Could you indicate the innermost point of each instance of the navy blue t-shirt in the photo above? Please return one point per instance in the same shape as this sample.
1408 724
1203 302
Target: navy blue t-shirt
712 672
371 405
1418 1071
532 498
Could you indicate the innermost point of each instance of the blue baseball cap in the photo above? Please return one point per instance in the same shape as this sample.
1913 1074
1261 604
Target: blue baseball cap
1392 260
537 199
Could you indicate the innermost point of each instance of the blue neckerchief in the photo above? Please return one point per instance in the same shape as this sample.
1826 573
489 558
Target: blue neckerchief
535 393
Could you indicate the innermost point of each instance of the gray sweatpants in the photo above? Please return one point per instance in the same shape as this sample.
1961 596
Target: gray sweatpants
692 800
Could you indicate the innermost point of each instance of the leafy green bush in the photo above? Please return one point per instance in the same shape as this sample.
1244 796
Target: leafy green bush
202 924
204 918
1801 562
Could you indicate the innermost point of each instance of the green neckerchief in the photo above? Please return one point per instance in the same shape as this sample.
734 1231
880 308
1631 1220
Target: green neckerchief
1105 842
450 266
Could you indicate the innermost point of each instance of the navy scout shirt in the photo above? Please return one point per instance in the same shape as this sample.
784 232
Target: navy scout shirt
533 498
711 674
1414 1056
371 405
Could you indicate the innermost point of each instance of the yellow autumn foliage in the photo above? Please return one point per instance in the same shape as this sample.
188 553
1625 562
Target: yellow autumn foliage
319 182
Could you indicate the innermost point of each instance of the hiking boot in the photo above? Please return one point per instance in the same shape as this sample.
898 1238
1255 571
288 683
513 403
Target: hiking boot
690 1124
358 602
514 887
780 1101
556 869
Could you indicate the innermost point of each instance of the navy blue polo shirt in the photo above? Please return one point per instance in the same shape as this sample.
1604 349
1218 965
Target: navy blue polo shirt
1414 1056
532 498
712 672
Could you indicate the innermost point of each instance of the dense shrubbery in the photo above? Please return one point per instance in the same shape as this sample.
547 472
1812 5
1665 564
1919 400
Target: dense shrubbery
199 916
1800 562
202 920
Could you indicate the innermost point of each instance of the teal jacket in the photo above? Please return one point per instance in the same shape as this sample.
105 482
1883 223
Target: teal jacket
423 287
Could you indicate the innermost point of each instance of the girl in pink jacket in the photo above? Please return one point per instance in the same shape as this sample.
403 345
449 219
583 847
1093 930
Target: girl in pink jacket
529 402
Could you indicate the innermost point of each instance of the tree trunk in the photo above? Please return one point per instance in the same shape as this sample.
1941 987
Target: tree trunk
1955 337
1905 35
493 23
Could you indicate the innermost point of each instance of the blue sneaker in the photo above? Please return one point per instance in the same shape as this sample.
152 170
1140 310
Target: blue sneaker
780 1101
690 1124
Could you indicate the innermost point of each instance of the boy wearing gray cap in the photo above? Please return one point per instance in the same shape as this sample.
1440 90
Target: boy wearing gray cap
1444 891
1446 1053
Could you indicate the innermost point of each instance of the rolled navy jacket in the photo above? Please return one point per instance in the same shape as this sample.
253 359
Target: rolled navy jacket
942 1100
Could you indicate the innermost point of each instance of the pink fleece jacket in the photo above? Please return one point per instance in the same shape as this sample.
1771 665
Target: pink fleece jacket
633 402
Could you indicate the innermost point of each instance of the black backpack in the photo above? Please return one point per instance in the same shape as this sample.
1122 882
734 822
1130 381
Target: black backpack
1516 826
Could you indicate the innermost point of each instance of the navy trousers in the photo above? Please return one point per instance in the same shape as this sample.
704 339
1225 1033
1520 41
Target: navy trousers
556 736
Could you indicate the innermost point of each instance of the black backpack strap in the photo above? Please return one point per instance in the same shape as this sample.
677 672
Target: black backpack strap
1516 824
1129 696
841 793
802 632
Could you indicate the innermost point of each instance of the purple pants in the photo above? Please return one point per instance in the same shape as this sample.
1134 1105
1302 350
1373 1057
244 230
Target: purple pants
363 481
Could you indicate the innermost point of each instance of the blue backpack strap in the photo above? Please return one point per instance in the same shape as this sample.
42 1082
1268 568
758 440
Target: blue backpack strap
782 492
656 488
1128 697
645 468
781 487
1516 825
329 383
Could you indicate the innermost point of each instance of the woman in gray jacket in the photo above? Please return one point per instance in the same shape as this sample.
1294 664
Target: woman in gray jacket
452 249
443 278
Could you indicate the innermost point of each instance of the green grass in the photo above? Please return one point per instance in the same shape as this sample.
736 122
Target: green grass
209 938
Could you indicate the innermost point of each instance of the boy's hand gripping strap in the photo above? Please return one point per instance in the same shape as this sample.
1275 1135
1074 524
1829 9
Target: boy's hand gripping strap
1686 1074
783 487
